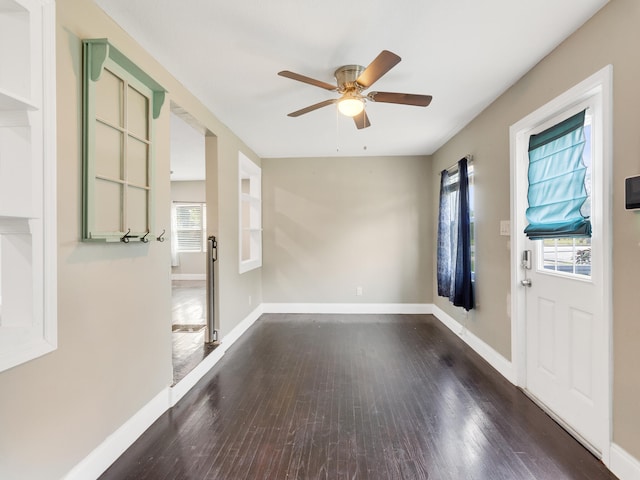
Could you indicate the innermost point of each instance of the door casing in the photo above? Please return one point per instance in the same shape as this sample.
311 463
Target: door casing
599 86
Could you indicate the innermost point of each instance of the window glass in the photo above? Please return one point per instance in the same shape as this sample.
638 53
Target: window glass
191 230
453 199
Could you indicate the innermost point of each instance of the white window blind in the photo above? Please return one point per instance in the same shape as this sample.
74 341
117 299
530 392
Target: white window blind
191 226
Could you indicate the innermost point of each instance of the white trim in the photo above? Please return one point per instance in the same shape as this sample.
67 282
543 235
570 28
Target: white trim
101 458
181 388
600 87
231 337
491 356
50 197
348 308
624 465
188 276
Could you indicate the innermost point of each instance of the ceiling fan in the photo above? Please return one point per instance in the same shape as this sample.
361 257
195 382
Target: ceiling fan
352 81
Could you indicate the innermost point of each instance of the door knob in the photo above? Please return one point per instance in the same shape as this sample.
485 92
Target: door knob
526 282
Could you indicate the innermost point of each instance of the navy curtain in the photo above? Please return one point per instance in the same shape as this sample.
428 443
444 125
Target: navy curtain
454 239
463 288
557 189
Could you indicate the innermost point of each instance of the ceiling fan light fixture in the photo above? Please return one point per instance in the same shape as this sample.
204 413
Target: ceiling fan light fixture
351 106
351 83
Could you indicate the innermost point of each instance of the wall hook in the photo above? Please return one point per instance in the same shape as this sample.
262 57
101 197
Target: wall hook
125 238
160 237
144 238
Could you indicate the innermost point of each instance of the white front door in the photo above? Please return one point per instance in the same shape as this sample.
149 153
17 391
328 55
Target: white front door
564 339
561 307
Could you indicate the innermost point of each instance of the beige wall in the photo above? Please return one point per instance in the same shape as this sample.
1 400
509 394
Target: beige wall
191 263
188 191
611 37
114 340
333 224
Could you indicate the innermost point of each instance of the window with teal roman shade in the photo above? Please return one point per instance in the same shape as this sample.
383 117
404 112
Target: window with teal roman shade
556 175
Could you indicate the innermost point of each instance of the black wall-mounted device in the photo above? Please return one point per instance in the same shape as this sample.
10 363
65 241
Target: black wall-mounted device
632 193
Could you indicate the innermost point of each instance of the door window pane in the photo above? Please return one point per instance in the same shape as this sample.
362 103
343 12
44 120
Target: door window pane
567 255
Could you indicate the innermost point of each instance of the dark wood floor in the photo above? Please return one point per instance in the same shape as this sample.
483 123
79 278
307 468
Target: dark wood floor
354 397
188 301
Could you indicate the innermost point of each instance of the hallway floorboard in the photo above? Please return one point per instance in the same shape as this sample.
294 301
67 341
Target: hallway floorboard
354 397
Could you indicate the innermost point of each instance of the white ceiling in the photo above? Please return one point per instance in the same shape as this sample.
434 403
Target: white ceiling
463 52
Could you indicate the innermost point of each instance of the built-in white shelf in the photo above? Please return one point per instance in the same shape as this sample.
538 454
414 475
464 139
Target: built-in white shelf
250 198
27 181
20 33
10 102
250 214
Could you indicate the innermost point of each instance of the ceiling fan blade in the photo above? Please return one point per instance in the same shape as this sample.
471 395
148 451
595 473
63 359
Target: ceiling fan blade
311 108
362 120
376 69
402 98
309 80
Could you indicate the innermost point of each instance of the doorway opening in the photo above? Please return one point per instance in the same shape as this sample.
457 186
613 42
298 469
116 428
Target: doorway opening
189 233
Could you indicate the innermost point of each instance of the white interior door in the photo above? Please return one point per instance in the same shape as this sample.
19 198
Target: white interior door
561 315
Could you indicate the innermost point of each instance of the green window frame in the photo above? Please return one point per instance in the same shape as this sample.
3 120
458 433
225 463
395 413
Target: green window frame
120 105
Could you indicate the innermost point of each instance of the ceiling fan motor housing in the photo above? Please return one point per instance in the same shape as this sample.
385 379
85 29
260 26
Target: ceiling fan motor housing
346 77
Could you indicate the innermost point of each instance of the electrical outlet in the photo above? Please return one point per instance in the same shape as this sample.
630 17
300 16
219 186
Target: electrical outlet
505 227
250 300
358 291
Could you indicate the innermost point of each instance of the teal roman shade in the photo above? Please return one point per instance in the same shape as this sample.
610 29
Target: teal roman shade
556 182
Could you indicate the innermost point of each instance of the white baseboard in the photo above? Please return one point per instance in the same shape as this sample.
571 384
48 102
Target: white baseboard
363 308
101 458
181 388
497 361
188 276
623 465
231 337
